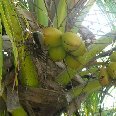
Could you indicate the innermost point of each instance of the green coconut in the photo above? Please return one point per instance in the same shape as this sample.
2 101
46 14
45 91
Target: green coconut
104 77
52 36
112 69
71 41
57 53
72 62
19 112
113 57
80 50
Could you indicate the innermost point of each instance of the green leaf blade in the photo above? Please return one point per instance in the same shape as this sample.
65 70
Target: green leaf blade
1 55
41 11
61 14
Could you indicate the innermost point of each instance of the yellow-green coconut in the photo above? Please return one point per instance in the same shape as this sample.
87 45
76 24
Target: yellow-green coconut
72 62
19 112
112 70
52 36
80 50
71 41
57 53
113 57
103 77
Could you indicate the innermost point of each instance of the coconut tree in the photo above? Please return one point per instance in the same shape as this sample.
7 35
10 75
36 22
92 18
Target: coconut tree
49 62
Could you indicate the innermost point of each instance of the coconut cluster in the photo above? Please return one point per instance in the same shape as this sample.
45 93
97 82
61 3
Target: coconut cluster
69 46
109 72
66 46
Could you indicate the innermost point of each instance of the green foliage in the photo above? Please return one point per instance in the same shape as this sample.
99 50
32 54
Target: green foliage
28 73
15 32
61 15
88 88
1 55
90 106
19 112
8 26
41 12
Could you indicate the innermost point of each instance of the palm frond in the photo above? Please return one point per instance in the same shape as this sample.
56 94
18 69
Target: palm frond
61 15
41 12
1 55
15 32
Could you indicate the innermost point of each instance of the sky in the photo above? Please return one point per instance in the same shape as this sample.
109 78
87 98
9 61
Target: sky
96 21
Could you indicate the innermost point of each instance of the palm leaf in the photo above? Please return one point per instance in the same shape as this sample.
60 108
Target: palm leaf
1 55
15 32
91 103
61 15
90 87
9 21
41 12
